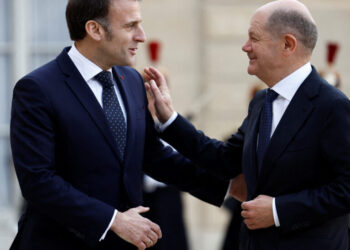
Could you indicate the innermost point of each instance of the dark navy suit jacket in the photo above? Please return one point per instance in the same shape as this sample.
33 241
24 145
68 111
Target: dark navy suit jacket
306 167
68 165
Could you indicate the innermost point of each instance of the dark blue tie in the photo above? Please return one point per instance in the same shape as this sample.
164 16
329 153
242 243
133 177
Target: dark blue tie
265 126
112 110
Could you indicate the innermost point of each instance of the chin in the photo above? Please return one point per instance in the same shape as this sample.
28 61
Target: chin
251 71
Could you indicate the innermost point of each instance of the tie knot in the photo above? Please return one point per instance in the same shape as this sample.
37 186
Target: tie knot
105 78
271 95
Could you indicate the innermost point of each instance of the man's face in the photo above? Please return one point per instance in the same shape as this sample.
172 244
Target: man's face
262 49
120 43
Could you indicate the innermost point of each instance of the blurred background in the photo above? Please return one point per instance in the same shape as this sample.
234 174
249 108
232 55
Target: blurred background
200 49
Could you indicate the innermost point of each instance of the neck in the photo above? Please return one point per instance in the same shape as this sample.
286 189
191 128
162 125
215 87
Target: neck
89 50
284 72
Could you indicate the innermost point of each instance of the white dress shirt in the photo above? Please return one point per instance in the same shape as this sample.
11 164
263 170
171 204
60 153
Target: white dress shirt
286 89
88 71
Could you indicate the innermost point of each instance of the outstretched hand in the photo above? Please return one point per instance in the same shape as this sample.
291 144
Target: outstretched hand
135 229
159 91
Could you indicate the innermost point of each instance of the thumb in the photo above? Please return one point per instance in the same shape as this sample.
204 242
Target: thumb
141 209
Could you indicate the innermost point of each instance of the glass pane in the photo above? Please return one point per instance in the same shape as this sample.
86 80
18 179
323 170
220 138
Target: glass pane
38 60
5 174
5 88
5 96
48 22
4 20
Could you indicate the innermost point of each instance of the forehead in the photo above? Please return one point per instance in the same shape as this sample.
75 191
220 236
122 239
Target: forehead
126 10
257 23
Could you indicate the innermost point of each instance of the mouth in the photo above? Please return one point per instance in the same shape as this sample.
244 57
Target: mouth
133 51
252 59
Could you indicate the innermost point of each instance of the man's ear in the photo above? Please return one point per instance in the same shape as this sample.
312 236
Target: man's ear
290 44
94 30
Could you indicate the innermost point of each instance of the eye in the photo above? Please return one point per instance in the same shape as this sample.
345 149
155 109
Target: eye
131 25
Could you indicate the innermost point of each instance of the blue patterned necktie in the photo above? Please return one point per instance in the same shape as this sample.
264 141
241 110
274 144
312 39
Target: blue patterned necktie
265 126
112 110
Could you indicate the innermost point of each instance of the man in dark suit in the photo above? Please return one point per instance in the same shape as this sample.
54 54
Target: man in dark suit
293 147
81 135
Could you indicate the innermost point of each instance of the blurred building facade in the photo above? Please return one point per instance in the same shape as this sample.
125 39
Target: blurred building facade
202 42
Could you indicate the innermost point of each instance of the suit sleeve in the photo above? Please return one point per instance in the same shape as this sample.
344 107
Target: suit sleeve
168 166
33 146
312 206
219 159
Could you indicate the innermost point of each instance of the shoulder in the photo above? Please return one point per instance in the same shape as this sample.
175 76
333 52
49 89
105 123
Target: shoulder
44 75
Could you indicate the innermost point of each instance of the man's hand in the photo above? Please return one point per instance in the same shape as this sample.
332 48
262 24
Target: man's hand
238 188
160 93
258 213
134 228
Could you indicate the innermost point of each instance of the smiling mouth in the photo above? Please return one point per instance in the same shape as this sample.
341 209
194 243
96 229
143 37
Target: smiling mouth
133 51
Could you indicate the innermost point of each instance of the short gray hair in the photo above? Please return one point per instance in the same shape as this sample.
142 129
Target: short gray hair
293 22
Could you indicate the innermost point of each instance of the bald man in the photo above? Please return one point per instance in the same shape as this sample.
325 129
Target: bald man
293 147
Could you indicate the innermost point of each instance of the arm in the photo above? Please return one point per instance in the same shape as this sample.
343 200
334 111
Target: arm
166 165
220 159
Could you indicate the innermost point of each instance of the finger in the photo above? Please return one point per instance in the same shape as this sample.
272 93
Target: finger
156 73
244 205
141 209
155 90
156 229
150 74
153 236
249 224
142 246
147 241
245 214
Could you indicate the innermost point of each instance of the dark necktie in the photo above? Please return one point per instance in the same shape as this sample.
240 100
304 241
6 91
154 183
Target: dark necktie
265 126
112 110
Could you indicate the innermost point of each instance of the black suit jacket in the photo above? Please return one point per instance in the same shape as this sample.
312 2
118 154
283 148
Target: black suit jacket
306 166
68 165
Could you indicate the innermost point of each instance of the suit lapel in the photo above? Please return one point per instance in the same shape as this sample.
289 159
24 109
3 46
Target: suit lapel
297 113
86 97
250 169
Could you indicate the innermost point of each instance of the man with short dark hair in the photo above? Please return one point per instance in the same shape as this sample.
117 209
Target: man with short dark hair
81 135
293 147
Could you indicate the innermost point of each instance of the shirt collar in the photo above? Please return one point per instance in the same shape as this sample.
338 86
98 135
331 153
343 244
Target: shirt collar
289 85
87 68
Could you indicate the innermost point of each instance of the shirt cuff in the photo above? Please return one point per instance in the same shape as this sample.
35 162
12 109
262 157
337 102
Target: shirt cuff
109 226
275 215
163 126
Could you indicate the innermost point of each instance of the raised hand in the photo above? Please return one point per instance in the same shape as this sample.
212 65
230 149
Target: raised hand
135 229
160 93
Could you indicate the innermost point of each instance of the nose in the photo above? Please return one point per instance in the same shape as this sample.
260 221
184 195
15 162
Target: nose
247 46
140 35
